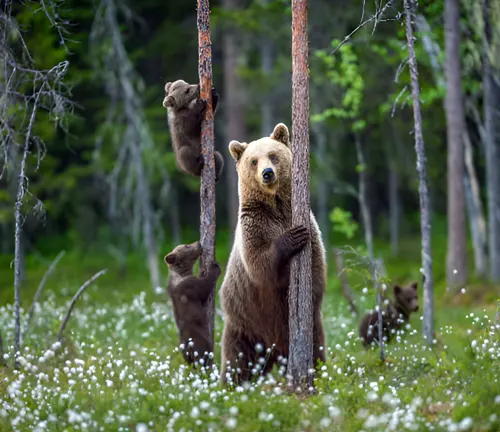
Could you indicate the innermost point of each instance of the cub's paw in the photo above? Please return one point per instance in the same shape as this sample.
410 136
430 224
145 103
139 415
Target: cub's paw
215 99
215 269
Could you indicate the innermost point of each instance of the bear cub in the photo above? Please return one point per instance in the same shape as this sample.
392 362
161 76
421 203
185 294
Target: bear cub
393 316
189 295
185 113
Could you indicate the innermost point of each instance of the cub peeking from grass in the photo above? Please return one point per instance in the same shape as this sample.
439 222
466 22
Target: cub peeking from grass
185 113
393 316
189 295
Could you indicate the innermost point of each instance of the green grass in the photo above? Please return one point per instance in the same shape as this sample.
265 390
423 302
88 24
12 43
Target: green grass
119 369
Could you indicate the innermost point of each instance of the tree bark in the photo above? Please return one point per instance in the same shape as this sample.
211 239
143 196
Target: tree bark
363 197
233 107
300 295
207 187
456 264
491 121
475 209
425 216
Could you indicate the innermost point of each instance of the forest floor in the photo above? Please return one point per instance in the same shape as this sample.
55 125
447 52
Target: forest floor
118 367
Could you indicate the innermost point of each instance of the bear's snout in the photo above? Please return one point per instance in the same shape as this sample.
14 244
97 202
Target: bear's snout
268 175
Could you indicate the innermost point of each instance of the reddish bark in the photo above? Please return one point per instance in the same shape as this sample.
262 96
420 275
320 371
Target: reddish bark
300 294
207 186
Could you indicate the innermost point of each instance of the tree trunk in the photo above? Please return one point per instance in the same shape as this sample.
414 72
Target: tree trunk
234 111
456 264
394 201
300 294
266 109
207 187
425 216
322 189
477 221
363 197
491 121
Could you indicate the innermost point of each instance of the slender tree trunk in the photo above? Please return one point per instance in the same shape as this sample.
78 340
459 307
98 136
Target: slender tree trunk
266 109
491 121
475 209
346 289
363 197
457 254
300 294
425 214
394 201
207 187
234 111
322 191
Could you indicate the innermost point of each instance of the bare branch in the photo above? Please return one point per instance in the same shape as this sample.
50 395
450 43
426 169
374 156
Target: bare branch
40 288
75 299
376 18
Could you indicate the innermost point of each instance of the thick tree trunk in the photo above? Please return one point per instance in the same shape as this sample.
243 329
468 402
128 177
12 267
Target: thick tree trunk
425 216
456 264
491 122
234 111
477 221
363 197
207 188
300 294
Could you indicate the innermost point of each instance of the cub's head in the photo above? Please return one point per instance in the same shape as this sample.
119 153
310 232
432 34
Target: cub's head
182 259
266 164
407 296
180 94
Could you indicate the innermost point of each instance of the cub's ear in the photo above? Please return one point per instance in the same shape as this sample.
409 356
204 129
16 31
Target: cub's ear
237 149
397 289
169 102
414 285
170 259
281 134
167 87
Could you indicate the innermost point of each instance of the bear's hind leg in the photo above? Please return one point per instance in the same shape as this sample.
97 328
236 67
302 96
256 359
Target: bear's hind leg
190 160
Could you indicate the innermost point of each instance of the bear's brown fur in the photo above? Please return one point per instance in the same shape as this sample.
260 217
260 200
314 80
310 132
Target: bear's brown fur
254 292
185 113
393 316
189 295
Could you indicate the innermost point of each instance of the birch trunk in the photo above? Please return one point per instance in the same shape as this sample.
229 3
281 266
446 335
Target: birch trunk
425 216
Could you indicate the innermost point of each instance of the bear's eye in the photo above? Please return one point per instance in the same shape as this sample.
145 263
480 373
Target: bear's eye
254 162
273 158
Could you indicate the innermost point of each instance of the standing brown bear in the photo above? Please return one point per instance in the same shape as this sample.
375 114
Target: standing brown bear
185 113
189 295
395 314
254 292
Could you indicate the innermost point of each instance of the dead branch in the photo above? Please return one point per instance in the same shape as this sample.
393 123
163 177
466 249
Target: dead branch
39 290
75 299
376 18
207 184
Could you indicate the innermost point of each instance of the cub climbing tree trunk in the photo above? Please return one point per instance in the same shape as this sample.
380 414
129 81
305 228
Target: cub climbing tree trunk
207 187
423 189
300 295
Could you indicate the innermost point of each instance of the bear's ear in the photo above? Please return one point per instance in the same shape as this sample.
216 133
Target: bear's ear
170 258
167 87
169 101
237 149
281 134
397 289
414 285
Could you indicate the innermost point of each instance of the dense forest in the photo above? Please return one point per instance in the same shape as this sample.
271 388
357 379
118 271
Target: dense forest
89 181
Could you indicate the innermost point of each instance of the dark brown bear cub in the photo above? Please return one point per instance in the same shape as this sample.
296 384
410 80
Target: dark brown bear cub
189 295
393 317
185 113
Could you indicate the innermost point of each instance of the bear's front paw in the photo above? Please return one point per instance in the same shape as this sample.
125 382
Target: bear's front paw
294 240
